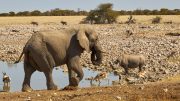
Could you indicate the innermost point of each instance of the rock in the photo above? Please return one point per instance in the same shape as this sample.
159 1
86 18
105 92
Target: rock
115 82
38 95
118 98
141 88
131 80
55 93
50 99
117 72
165 90
28 99
166 71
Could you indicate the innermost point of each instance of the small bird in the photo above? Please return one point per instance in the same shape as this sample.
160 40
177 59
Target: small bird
6 80
100 76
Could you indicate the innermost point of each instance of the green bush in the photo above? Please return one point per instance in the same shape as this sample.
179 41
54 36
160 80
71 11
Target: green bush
102 15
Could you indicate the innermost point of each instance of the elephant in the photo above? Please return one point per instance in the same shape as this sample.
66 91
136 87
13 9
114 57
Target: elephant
130 61
48 49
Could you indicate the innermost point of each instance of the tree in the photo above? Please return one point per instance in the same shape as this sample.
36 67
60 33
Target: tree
4 14
12 13
47 13
25 13
164 11
103 14
155 12
35 13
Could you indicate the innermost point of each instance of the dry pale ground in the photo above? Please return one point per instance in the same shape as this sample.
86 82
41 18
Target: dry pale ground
167 90
77 19
148 18
40 19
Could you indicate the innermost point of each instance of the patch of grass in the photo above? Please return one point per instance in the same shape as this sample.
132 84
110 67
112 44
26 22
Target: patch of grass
40 19
148 18
174 59
77 19
172 79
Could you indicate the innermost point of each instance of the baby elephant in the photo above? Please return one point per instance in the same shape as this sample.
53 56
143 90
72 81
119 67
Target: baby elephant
131 61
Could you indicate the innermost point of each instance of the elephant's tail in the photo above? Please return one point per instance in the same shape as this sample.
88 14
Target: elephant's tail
20 56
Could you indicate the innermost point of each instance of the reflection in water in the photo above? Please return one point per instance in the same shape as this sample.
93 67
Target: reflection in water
11 65
38 80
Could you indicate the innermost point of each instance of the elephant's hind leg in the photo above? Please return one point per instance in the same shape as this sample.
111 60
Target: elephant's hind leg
49 81
46 67
29 70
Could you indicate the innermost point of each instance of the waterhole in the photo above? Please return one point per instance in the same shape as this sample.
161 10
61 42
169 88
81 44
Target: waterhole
38 80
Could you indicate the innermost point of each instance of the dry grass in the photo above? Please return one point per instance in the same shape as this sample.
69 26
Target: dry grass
148 18
77 19
40 19
174 59
172 79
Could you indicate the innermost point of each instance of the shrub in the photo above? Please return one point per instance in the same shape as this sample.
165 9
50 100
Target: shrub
102 15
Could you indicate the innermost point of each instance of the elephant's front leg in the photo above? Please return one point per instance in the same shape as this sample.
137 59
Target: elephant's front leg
49 81
72 76
75 73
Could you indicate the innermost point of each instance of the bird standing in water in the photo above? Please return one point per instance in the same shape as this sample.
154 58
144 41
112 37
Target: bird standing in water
6 80
101 76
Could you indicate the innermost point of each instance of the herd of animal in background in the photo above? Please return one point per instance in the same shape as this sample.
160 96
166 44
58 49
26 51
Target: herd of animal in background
36 23
130 20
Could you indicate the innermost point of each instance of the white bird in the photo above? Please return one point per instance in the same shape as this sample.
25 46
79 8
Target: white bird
6 80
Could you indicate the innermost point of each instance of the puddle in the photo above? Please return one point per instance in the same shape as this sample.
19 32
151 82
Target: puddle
38 80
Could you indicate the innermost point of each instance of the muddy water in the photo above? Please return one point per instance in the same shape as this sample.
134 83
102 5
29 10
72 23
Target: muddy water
38 80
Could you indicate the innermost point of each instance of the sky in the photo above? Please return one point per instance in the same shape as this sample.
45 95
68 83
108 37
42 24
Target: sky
44 5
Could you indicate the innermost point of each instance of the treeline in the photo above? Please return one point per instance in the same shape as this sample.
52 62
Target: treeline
54 12
162 11
59 12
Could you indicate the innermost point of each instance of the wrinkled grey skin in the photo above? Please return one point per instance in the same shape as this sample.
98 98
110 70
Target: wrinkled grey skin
131 61
47 49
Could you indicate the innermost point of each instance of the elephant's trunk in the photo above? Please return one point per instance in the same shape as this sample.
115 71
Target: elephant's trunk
97 55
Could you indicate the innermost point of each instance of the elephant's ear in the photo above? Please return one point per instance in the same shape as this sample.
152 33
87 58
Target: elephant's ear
83 40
